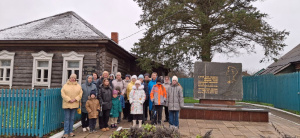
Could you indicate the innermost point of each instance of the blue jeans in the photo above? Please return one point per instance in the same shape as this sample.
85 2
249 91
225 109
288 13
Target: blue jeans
173 118
69 120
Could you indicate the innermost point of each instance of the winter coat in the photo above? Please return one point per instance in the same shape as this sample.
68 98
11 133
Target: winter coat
167 86
122 101
105 97
175 97
70 91
158 95
86 88
129 88
92 106
146 89
137 98
116 108
150 85
119 83
97 83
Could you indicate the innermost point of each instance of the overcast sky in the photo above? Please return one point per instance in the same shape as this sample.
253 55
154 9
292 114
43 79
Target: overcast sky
121 15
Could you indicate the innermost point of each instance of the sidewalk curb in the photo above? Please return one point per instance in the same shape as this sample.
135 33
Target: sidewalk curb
272 109
61 133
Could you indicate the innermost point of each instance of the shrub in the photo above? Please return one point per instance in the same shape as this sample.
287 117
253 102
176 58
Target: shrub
147 131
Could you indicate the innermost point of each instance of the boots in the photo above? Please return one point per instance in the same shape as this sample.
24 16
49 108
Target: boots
140 123
133 123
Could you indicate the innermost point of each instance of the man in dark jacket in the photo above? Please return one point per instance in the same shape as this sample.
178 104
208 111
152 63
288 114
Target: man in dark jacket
146 103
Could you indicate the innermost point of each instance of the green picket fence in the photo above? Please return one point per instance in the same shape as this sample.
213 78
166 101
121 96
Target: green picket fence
188 86
31 112
280 90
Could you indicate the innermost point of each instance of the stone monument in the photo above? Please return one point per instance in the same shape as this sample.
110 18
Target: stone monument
218 83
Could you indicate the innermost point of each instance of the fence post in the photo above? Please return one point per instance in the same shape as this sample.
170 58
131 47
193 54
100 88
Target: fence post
41 113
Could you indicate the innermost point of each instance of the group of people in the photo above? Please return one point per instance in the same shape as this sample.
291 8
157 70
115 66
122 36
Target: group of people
107 96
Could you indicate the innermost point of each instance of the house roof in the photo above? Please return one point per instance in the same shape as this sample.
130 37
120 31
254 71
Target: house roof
64 26
284 61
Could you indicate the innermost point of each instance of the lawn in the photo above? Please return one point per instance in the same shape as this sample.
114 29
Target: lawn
271 105
190 100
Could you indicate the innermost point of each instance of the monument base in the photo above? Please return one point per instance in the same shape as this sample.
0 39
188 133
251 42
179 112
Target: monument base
212 101
224 112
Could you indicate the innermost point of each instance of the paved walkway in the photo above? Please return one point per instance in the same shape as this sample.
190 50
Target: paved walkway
228 129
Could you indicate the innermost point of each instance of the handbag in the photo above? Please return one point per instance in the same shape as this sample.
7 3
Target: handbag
100 112
79 109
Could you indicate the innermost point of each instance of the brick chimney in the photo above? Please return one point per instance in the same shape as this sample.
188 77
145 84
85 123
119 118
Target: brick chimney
115 37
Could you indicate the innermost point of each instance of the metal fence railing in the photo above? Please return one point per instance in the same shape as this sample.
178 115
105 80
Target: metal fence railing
281 90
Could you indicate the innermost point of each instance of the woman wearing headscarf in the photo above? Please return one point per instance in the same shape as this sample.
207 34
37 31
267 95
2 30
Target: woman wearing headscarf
87 88
71 94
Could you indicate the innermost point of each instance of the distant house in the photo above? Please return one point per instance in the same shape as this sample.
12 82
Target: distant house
288 63
43 53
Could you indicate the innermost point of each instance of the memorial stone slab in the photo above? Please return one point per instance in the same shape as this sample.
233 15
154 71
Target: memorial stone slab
218 81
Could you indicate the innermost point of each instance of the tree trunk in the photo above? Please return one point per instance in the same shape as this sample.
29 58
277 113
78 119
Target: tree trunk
206 54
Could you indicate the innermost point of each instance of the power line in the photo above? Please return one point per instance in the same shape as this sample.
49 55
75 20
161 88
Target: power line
145 28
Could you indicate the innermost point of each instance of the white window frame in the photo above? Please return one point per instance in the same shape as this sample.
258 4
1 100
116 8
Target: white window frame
5 55
71 56
41 56
114 63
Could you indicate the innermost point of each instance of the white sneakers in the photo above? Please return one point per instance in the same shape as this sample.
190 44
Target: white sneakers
86 129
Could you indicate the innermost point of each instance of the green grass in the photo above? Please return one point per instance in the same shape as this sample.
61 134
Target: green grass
271 105
292 111
190 100
266 104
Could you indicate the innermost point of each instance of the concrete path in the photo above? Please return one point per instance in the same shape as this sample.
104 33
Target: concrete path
228 129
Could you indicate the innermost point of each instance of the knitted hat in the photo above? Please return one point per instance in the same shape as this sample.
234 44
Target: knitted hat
141 76
115 92
138 82
93 92
127 75
134 77
158 79
175 78
146 74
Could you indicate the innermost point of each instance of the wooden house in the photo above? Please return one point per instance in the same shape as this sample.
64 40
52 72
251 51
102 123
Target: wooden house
43 53
288 63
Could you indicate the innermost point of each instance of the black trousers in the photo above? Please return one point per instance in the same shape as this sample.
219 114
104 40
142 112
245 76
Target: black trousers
159 109
103 121
92 122
119 118
126 110
167 113
146 104
84 119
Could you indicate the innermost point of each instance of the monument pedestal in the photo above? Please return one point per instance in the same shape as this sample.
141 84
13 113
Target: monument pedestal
212 101
218 85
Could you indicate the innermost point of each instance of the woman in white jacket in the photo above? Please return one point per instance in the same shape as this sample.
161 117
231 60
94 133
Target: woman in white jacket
136 98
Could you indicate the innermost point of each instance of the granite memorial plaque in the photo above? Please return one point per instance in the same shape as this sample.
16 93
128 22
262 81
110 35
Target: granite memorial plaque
218 81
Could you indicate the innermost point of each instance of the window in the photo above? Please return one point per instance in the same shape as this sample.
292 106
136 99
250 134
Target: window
6 67
114 67
72 65
42 66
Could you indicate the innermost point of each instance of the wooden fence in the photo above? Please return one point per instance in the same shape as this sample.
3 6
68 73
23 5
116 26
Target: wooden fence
30 112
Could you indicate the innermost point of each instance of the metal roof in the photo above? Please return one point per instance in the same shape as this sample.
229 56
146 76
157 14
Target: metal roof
284 61
64 26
